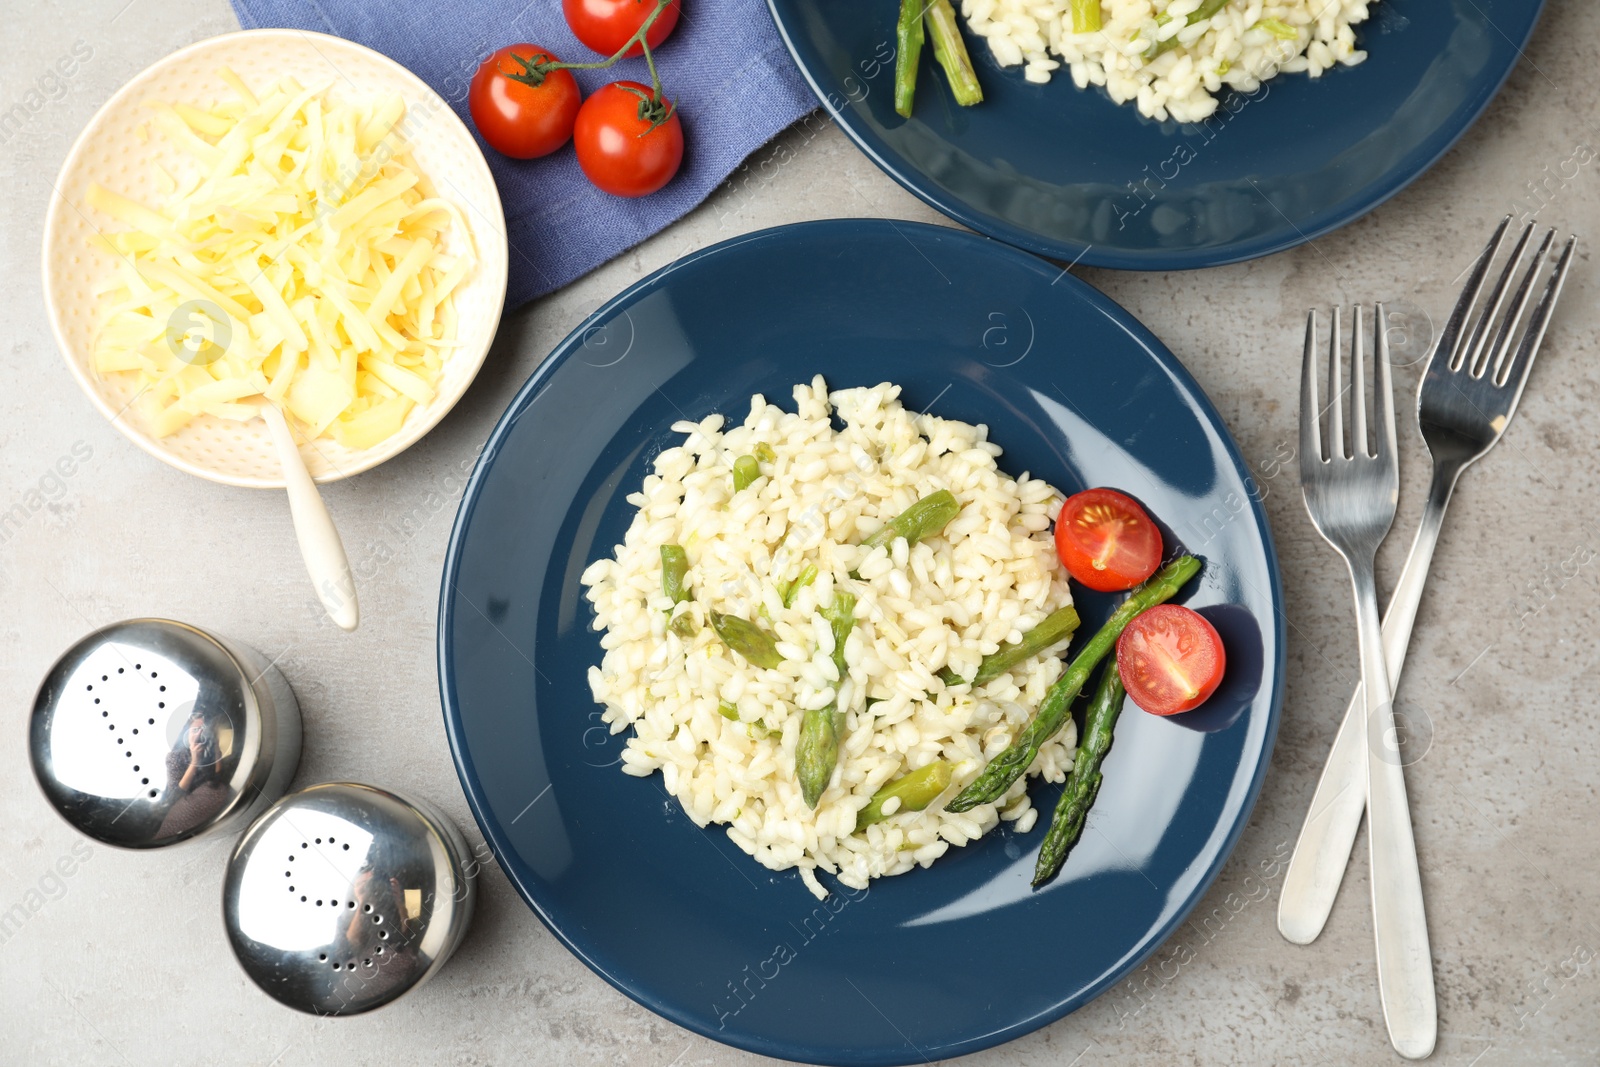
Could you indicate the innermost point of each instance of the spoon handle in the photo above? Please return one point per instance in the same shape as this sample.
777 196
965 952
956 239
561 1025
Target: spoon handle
320 546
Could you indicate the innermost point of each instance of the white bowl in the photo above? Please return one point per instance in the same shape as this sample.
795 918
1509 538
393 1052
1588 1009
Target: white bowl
110 152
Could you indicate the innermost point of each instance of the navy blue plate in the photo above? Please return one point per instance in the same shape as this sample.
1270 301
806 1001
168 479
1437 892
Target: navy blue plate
1068 174
936 962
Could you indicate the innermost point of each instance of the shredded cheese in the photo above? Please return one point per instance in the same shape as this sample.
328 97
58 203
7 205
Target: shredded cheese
299 259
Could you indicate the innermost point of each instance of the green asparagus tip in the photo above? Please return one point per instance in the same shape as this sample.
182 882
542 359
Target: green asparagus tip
816 753
925 518
1083 784
747 639
674 568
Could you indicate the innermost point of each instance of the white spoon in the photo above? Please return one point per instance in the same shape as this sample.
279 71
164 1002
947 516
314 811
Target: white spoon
319 540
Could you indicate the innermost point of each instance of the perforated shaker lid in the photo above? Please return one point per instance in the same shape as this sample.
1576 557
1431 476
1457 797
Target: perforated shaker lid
341 897
150 732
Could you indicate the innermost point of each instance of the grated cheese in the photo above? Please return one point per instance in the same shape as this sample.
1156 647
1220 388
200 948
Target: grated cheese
298 259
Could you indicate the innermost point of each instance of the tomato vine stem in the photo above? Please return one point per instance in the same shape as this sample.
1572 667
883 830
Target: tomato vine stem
654 109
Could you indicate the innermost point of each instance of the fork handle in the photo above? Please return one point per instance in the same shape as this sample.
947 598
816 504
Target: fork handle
1328 836
1399 922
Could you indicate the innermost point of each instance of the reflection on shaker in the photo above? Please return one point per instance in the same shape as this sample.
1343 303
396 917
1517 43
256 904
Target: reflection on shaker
378 938
195 770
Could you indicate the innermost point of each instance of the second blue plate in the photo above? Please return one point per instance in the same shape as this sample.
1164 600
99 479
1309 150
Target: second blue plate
1068 174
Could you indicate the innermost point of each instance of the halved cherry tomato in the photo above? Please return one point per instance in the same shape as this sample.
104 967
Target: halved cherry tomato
517 119
1106 541
1170 659
622 147
606 25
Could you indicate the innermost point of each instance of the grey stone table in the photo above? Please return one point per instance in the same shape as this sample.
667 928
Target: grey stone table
115 958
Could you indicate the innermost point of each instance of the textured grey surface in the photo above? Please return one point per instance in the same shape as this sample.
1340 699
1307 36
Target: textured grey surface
122 961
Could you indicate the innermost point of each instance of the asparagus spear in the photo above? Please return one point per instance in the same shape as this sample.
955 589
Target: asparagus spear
1279 29
1057 626
674 568
746 469
1204 11
908 50
1085 16
807 575
923 519
951 52
1056 707
841 615
916 790
1084 783
747 639
816 752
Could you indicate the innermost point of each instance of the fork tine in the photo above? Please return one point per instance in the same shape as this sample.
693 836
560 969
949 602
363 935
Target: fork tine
1517 372
1448 338
1388 448
1358 387
1475 360
1495 363
1310 414
1335 394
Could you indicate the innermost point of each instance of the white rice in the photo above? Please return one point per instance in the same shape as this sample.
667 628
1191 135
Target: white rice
1231 48
950 600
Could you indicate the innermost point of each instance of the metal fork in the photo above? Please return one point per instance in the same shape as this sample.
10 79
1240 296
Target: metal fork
1467 397
1351 497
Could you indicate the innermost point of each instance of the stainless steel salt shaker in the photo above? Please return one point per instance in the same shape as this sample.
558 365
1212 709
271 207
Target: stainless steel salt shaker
343 897
149 732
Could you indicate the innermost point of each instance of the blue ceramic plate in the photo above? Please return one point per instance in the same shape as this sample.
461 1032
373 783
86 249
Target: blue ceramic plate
1066 173
936 962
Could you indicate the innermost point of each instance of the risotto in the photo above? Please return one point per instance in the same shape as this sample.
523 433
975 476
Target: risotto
767 521
1170 57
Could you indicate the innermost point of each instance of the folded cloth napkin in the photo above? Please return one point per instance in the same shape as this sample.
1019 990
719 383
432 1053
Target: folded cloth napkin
724 65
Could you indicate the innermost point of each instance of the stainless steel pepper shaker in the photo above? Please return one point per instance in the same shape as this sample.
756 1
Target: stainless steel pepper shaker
343 897
150 732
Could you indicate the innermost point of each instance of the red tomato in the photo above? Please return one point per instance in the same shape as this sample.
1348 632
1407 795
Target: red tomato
1106 541
1170 659
606 25
622 148
518 119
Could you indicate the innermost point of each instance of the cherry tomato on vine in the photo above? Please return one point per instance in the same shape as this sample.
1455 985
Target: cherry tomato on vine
629 143
521 112
1106 541
606 25
1170 659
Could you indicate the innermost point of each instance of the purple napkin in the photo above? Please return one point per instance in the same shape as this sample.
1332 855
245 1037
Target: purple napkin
725 65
